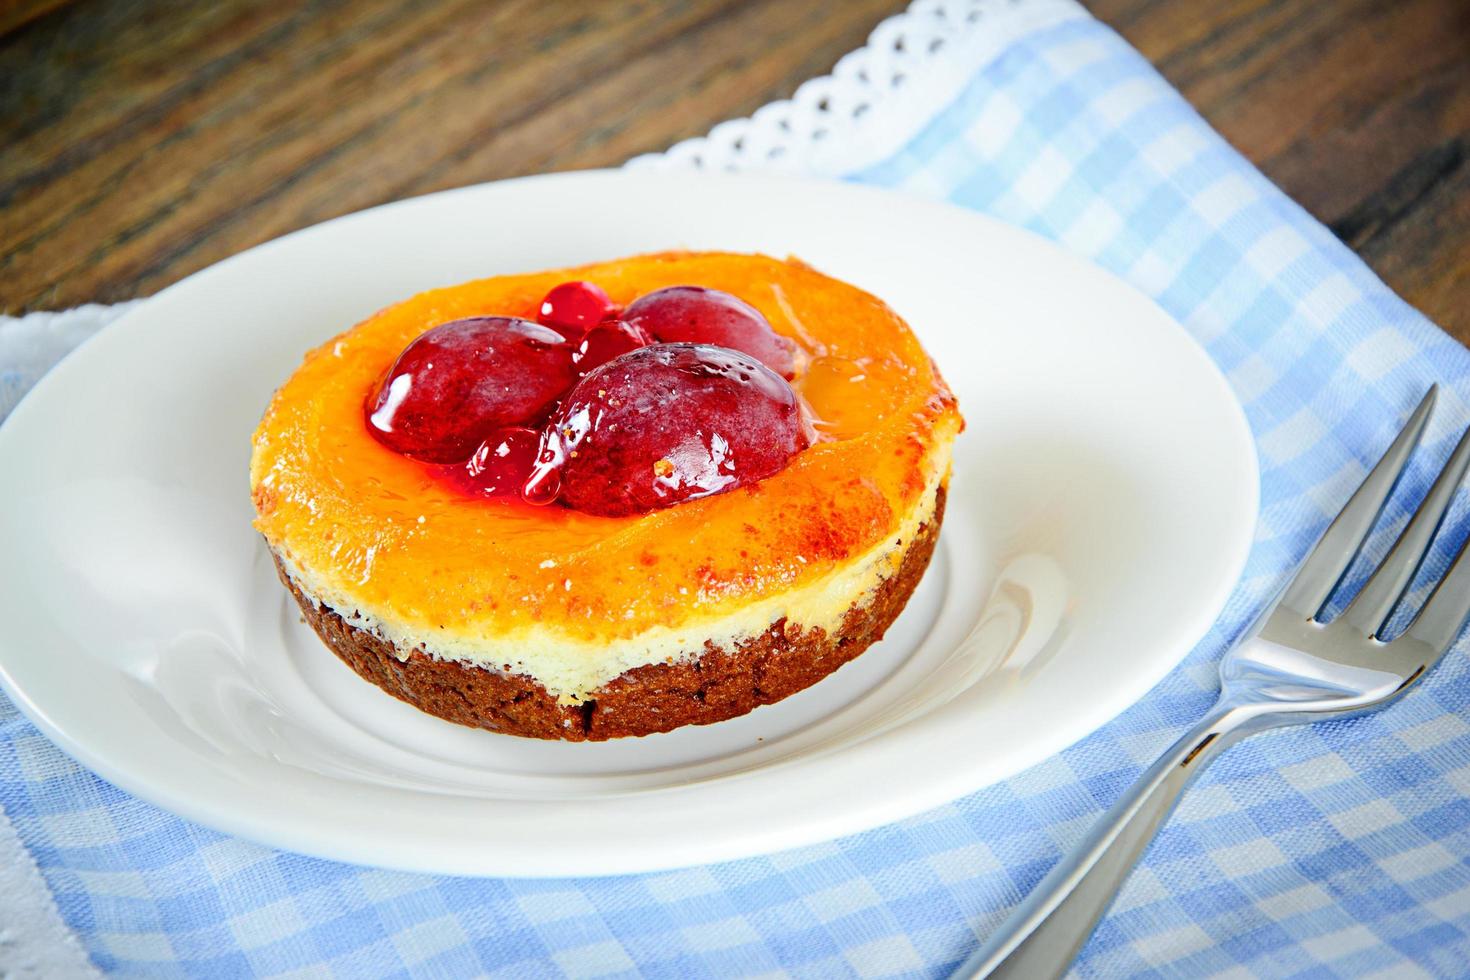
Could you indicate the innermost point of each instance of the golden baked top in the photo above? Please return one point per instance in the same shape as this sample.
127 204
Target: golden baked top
364 525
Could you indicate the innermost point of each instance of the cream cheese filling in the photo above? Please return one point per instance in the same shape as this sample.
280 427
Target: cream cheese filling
571 669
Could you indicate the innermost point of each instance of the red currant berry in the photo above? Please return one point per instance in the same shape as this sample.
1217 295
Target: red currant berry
606 341
573 308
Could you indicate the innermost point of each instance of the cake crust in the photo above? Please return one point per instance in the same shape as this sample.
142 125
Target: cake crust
719 684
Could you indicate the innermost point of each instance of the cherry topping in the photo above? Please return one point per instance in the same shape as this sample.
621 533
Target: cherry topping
664 424
606 341
694 314
465 378
500 466
574 307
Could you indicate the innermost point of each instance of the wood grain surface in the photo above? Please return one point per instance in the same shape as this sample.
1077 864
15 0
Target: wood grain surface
142 140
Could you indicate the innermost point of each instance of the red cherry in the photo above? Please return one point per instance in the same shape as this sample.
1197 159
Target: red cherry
694 314
574 307
606 341
499 467
664 424
462 379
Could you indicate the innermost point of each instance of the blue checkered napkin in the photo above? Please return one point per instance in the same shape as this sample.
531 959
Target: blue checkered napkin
1337 850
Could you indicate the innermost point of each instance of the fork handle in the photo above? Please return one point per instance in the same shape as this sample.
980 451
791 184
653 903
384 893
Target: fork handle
1045 934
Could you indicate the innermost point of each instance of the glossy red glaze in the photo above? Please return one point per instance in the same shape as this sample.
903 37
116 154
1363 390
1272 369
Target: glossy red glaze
499 467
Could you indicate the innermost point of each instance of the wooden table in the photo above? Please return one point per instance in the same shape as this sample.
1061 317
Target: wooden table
141 141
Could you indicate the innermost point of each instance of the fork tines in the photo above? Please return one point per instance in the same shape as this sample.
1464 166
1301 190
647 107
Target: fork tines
1321 574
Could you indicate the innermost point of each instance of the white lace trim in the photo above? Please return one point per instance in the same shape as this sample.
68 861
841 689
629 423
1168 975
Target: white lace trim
877 97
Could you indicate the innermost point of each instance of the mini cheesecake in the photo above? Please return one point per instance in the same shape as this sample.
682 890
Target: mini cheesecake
607 607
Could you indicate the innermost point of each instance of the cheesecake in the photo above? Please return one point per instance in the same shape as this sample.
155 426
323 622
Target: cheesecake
611 500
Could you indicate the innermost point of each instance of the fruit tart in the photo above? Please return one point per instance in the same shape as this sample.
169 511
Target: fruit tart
610 500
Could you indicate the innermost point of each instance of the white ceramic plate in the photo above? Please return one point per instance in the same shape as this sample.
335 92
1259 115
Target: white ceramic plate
1103 500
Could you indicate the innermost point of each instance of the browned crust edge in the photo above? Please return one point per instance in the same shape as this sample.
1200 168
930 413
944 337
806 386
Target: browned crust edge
720 684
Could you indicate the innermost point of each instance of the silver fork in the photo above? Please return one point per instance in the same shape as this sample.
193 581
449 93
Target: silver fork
1289 668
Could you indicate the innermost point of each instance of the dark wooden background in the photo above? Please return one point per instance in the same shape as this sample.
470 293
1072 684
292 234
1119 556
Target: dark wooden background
141 140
